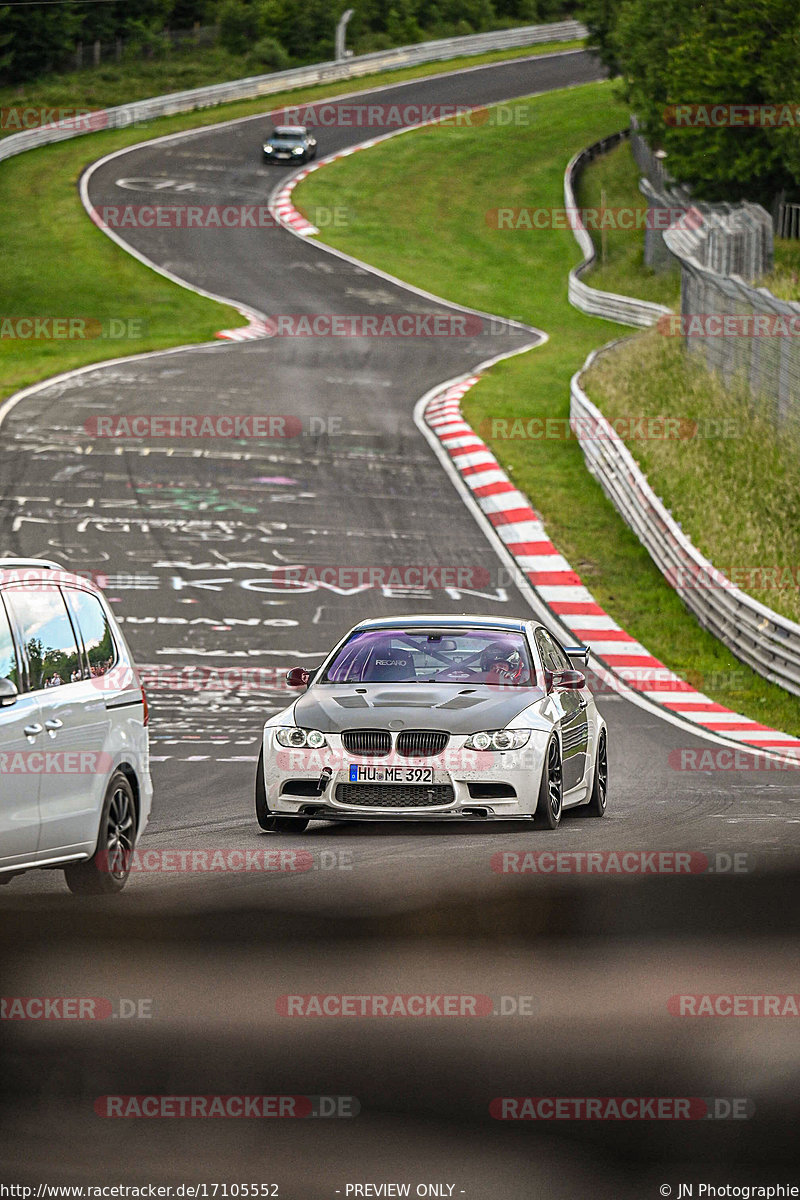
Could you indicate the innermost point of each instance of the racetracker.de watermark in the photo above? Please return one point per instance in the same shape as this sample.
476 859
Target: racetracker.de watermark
621 1108
65 329
389 325
224 860
618 862
729 325
723 758
55 762
73 1008
210 216
629 219
27 116
589 429
729 1004
195 425
747 578
732 116
396 1004
349 115
427 575
222 1106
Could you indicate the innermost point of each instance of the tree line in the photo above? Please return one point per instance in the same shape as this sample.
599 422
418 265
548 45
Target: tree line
715 85
37 39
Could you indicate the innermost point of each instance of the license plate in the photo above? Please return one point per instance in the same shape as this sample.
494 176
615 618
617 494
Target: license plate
391 774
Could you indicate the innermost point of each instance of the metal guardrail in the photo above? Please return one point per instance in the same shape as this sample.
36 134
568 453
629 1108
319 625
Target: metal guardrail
140 111
766 641
625 310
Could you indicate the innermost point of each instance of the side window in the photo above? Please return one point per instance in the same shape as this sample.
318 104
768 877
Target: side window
8 655
46 632
553 658
95 631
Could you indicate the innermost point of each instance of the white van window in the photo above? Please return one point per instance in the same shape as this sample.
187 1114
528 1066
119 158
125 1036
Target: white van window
95 631
47 635
8 655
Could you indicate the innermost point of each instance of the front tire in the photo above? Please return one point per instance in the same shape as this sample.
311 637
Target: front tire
597 801
106 872
267 820
548 810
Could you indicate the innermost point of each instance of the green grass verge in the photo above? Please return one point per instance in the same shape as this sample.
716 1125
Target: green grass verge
728 449
612 181
122 83
784 280
57 264
418 206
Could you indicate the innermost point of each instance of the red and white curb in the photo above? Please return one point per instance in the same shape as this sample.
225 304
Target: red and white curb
561 589
249 333
284 211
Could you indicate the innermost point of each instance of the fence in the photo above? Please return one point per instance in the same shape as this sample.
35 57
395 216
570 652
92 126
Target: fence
93 54
755 634
787 220
739 329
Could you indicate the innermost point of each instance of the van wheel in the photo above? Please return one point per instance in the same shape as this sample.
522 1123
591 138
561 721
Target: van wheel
265 817
106 872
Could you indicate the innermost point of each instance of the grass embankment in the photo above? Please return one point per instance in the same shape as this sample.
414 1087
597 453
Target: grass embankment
612 182
408 218
734 486
57 264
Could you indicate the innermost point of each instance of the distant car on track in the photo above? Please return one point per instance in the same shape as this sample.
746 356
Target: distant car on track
75 788
290 143
436 718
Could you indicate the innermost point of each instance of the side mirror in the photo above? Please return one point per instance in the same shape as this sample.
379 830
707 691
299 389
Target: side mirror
298 677
571 681
8 693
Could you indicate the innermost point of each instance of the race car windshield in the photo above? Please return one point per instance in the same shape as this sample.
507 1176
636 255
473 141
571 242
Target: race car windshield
286 135
463 656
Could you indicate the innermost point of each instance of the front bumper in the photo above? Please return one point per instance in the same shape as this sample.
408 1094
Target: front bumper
498 785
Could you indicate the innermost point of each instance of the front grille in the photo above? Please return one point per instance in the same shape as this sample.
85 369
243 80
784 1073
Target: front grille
367 743
394 795
421 743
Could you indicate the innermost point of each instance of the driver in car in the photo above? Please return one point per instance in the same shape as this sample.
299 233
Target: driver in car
501 662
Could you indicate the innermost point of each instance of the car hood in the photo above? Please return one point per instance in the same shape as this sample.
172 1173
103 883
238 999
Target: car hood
283 143
451 707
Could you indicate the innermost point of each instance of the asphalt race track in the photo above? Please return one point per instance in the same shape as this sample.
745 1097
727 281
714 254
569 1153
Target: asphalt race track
190 536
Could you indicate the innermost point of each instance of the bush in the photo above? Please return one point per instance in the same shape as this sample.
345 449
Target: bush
269 53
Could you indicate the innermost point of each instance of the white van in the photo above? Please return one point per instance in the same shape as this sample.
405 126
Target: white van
75 787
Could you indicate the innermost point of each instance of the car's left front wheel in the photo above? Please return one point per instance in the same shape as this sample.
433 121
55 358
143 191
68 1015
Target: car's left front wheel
267 819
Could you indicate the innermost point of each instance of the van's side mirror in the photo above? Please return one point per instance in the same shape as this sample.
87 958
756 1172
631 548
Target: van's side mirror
8 693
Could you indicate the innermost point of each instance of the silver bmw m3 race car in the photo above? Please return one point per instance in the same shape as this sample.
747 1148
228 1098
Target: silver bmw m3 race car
436 718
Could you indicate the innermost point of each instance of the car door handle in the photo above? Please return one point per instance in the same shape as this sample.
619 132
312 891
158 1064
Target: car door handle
32 730
54 723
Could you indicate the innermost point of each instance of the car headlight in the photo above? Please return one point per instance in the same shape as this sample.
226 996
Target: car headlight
300 738
268 149
297 150
498 739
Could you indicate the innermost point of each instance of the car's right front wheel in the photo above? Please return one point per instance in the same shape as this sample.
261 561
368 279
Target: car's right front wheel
267 819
